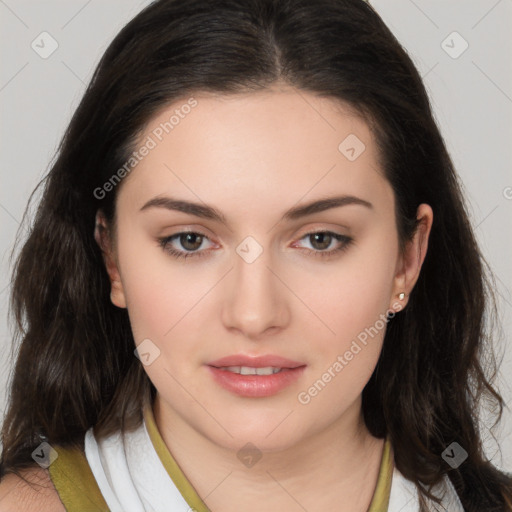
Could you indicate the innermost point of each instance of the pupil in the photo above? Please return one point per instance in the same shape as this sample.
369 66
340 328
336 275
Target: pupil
187 237
322 235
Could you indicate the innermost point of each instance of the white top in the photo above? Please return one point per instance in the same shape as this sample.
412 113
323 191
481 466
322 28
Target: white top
132 478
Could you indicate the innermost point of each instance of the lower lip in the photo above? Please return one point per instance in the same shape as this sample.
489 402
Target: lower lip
256 385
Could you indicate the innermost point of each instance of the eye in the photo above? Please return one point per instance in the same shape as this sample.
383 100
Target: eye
321 240
191 241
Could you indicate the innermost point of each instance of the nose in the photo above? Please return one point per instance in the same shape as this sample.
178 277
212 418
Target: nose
256 301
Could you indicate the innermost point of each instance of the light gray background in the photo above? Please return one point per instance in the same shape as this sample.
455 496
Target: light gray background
471 95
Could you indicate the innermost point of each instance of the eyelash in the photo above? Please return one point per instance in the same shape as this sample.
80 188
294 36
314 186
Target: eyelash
346 242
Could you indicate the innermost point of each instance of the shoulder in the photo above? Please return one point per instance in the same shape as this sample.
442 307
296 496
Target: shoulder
35 491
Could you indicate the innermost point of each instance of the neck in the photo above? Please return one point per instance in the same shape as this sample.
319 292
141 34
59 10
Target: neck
341 461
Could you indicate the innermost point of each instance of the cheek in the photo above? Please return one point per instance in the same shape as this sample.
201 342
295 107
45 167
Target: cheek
355 309
160 301
158 290
351 296
144 290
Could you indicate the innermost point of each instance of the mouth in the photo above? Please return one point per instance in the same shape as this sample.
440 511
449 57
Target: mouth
254 377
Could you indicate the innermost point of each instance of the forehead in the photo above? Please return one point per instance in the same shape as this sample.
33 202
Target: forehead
278 144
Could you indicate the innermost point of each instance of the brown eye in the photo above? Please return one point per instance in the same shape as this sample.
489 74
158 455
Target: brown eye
184 244
321 241
189 241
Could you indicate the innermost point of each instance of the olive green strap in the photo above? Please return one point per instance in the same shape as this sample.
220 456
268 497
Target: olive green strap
75 483
380 501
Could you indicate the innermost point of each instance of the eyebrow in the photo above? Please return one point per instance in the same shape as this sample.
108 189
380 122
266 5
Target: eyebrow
297 212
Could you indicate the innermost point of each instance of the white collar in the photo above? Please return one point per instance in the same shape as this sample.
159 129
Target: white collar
130 475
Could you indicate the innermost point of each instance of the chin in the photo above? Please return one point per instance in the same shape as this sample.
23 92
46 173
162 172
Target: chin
270 432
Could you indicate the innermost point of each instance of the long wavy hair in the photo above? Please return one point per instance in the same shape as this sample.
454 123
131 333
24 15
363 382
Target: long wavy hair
74 364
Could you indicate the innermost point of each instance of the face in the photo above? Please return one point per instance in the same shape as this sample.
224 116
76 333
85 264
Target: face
312 286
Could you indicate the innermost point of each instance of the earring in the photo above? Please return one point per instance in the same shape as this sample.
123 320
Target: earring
401 296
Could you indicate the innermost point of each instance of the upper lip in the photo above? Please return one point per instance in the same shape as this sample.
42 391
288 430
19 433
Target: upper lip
255 361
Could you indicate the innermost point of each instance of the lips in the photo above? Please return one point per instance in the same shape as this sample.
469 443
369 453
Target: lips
259 376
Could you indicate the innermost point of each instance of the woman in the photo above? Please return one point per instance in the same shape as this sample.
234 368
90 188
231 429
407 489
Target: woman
251 282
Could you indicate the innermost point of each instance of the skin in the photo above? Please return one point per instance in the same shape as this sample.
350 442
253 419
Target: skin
252 157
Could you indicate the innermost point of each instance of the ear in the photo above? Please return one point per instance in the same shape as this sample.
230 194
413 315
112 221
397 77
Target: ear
410 262
103 238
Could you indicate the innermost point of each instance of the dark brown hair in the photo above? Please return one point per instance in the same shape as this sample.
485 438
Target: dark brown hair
76 366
